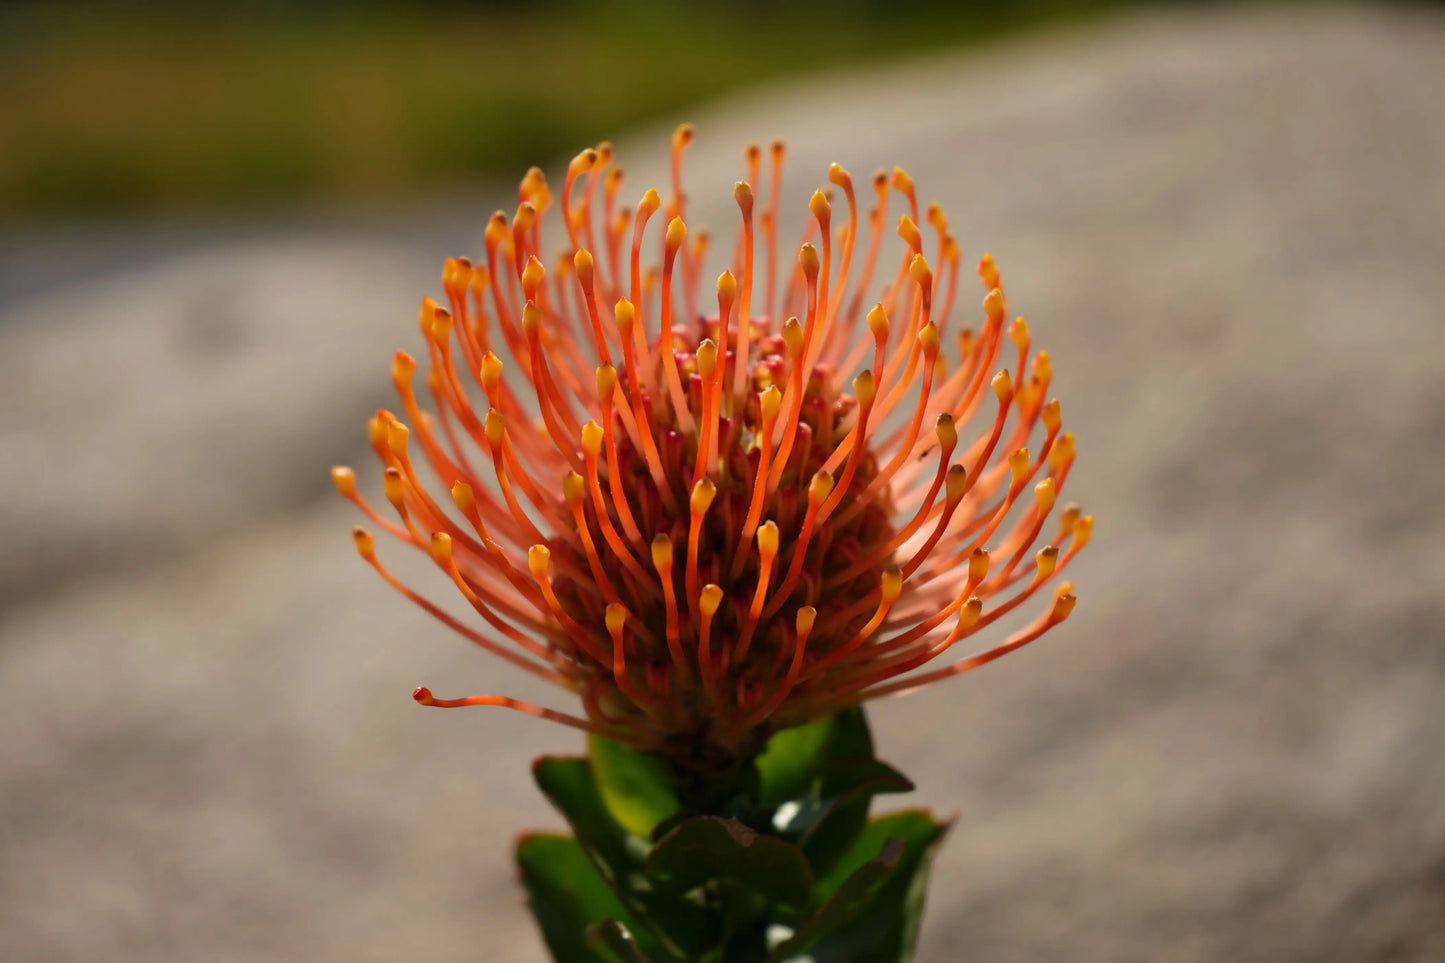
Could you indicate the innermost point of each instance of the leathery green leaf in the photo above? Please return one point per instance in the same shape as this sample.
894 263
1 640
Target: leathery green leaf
794 758
708 848
635 786
885 929
849 900
682 928
566 895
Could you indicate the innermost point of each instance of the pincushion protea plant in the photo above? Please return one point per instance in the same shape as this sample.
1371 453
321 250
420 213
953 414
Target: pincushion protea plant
686 517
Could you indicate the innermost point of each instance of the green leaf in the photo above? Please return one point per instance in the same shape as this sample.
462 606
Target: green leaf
566 895
708 848
818 781
567 782
885 930
611 940
636 786
794 758
664 921
848 900
844 794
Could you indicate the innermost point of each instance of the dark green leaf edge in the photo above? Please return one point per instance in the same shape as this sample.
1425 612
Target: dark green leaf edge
615 942
565 894
676 927
708 848
847 901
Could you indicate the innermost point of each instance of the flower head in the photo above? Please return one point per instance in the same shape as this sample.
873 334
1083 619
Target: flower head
710 523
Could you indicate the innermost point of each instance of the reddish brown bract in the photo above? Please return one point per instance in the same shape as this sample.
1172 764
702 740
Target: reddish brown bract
682 515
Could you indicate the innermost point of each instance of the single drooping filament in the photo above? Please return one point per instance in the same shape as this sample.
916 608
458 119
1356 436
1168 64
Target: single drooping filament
712 521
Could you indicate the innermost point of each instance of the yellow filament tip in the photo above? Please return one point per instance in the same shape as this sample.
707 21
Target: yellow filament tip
662 554
968 615
978 565
919 271
727 287
396 436
768 538
928 339
864 388
465 499
531 319
955 482
606 381
878 322
496 427
344 479
1046 560
1044 495
625 314
1018 466
573 488
993 306
910 234
676 233
820 206
820 487
793 337
770 401
808 260
891 585
702 495
491 374
946 431
743 194
1051 416
441 548
583 264
1003 386
592 438
706 358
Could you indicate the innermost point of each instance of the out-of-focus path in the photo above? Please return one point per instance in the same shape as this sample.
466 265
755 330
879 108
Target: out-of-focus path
1227 231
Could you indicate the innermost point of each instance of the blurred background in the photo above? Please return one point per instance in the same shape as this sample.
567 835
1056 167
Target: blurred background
1224 221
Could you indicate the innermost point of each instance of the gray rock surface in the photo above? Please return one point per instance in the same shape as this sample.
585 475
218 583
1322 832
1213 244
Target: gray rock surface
1226 228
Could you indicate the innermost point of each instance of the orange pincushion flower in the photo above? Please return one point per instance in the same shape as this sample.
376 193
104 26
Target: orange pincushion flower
737 543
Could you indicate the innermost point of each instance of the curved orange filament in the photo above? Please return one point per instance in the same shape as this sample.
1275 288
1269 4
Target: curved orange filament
604 522
708 600
800 547
767 552
740 365
892 585
615 482
770 228
424 697
521 661
662 561
760 479
617 616
804 628
1018 640
702 496
665 347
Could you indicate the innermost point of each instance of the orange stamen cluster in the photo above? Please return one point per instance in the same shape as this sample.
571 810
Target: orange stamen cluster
683 517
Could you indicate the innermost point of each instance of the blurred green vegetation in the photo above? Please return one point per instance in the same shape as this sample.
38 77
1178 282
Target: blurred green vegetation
161 105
